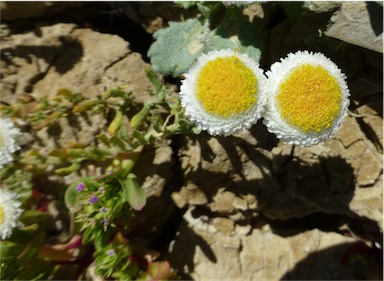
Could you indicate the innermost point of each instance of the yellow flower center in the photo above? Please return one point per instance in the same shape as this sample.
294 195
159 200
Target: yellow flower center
226 87
309 98
2 215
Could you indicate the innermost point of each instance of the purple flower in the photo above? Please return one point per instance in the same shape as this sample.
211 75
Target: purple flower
101 189
105 222
80 187
93 199
111 253
103 210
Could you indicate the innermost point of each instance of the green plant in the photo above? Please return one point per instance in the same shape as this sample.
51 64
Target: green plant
101 207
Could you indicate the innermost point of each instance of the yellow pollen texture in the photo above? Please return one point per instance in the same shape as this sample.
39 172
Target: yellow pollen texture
1 215
226 87
309 98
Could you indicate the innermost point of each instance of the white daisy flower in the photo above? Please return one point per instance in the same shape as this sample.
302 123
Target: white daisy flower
9 213
9 135
307 99
224 92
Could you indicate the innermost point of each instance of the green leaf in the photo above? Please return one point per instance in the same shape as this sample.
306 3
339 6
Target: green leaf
30 217
100 240
177 47
88 235
67 94
235 32
154 78
10 250
103 138
72 196
118 141
78 153
210 9
139 136
38 270
116 93
70 96
9 270
24 234
138 119
68 170
31 250
133 193
126 167
48 121
124 135
159 270
116 123
85 106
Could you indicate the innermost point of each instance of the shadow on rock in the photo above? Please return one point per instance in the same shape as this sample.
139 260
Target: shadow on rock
308 186
50 54
375 12
357 262
238 184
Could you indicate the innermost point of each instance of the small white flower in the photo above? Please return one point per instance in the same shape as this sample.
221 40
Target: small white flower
307 99
9 135
224 92
9 213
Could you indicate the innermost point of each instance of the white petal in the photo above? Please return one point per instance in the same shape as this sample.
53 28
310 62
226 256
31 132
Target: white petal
9 135
10 208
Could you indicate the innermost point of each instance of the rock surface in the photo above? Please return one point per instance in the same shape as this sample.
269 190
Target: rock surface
360 24
236 174
258 253
66 56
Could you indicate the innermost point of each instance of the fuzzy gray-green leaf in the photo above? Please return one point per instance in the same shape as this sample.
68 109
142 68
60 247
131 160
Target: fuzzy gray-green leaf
178 46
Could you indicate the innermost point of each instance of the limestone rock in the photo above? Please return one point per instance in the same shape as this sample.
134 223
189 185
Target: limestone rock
359 23
79 59
70 132
153 177
31 57
212 249
225 238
